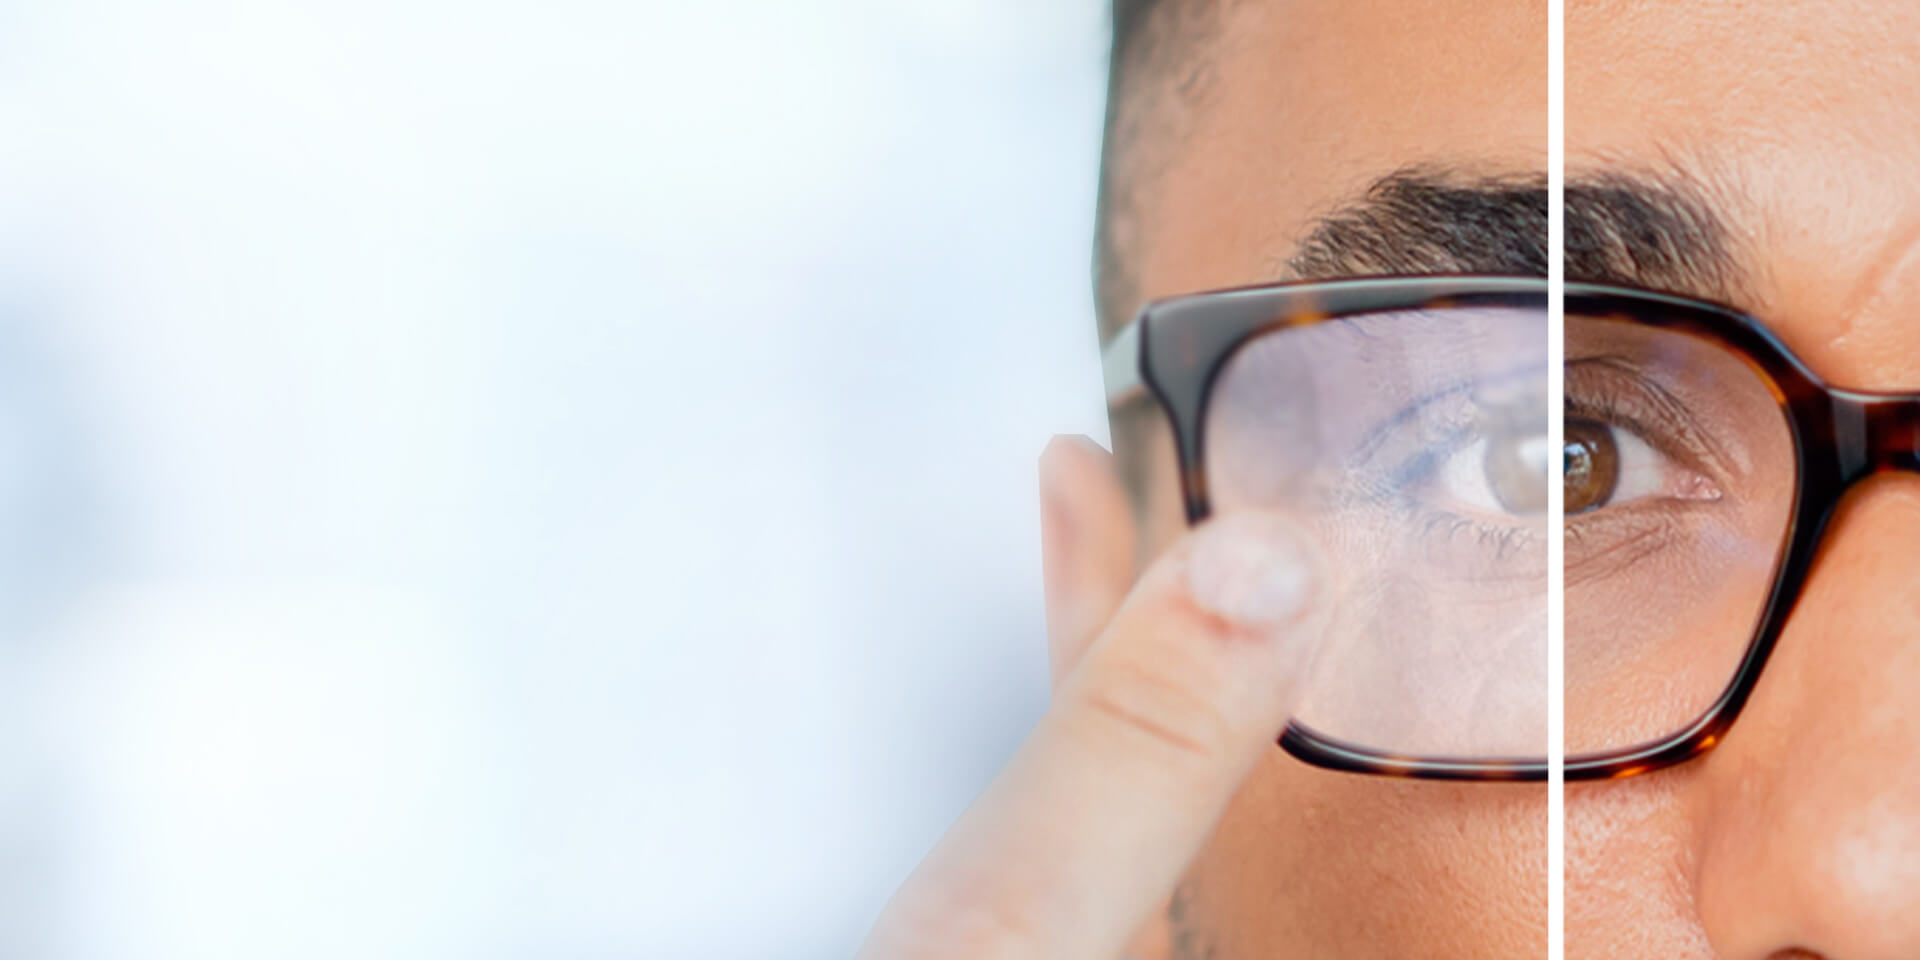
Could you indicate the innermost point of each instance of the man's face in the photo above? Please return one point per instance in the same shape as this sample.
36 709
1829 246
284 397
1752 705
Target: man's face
1801 831
1291 111
1795 126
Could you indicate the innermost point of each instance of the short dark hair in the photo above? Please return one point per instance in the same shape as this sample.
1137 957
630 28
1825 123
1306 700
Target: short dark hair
1128 15
1128 18
1151 38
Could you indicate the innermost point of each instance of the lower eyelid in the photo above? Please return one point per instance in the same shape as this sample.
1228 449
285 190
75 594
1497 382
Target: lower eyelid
1444 530
1623 536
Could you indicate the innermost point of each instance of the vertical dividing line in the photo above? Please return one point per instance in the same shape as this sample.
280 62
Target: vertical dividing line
1556 482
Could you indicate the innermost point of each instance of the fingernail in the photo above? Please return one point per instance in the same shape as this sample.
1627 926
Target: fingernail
1250 570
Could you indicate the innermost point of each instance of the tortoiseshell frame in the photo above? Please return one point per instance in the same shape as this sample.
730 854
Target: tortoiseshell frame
1840 436
1178 346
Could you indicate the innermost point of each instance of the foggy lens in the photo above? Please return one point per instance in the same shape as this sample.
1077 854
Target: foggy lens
1413 444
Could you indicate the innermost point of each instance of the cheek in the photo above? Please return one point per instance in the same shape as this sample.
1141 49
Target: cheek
1630 869
1344 865
1643 662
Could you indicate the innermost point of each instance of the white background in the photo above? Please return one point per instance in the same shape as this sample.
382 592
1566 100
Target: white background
522 480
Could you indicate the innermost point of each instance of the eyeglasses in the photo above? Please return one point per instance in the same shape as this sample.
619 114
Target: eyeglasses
1404 422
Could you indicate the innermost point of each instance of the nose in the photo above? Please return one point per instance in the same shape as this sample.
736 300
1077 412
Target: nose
1810 816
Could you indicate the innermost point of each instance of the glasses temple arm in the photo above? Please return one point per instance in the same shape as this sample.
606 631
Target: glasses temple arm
1120 367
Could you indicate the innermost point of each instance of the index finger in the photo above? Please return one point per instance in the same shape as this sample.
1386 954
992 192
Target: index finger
1113 793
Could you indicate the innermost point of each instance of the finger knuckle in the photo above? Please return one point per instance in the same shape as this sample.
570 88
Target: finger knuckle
1158 710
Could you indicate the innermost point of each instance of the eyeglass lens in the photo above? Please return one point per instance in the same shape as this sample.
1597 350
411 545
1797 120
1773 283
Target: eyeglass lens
1414 445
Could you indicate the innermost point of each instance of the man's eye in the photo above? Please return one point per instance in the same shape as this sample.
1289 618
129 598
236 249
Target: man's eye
1507 472
1503 472
1608 465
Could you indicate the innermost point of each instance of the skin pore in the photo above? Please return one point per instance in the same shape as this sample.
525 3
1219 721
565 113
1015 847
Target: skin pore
1760 154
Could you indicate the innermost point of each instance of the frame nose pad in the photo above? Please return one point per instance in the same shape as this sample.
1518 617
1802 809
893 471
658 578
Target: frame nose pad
1875 432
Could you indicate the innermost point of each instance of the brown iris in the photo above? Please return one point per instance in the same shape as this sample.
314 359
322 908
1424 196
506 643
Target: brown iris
1516 469
1593 465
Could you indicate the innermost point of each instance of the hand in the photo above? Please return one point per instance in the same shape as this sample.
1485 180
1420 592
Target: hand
1160 710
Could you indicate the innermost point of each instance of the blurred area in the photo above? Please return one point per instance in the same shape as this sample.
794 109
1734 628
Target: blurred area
513 480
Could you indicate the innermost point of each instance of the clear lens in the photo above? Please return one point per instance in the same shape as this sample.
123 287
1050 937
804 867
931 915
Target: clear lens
1680 483
1414 445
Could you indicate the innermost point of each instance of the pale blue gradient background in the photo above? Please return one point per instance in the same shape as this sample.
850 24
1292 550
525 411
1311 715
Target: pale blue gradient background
522 480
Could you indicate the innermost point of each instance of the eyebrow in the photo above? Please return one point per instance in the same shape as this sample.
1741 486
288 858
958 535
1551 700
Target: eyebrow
1419 221
1653 231
1638 230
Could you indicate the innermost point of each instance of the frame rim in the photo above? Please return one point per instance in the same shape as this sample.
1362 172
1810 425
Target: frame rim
1184 391
1827 466
1840 436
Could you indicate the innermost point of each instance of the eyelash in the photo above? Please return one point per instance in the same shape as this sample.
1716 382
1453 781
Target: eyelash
1503 541
1610 406
1643 407
1606 389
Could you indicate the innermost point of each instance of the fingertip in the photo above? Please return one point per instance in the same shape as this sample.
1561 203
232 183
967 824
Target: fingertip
1063 469
1066 453
1254 571
1234 611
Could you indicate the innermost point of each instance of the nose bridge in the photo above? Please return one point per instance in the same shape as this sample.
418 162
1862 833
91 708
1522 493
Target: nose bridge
1876 432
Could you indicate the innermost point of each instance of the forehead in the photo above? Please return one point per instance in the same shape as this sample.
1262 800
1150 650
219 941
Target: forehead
1803 120
1286 108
